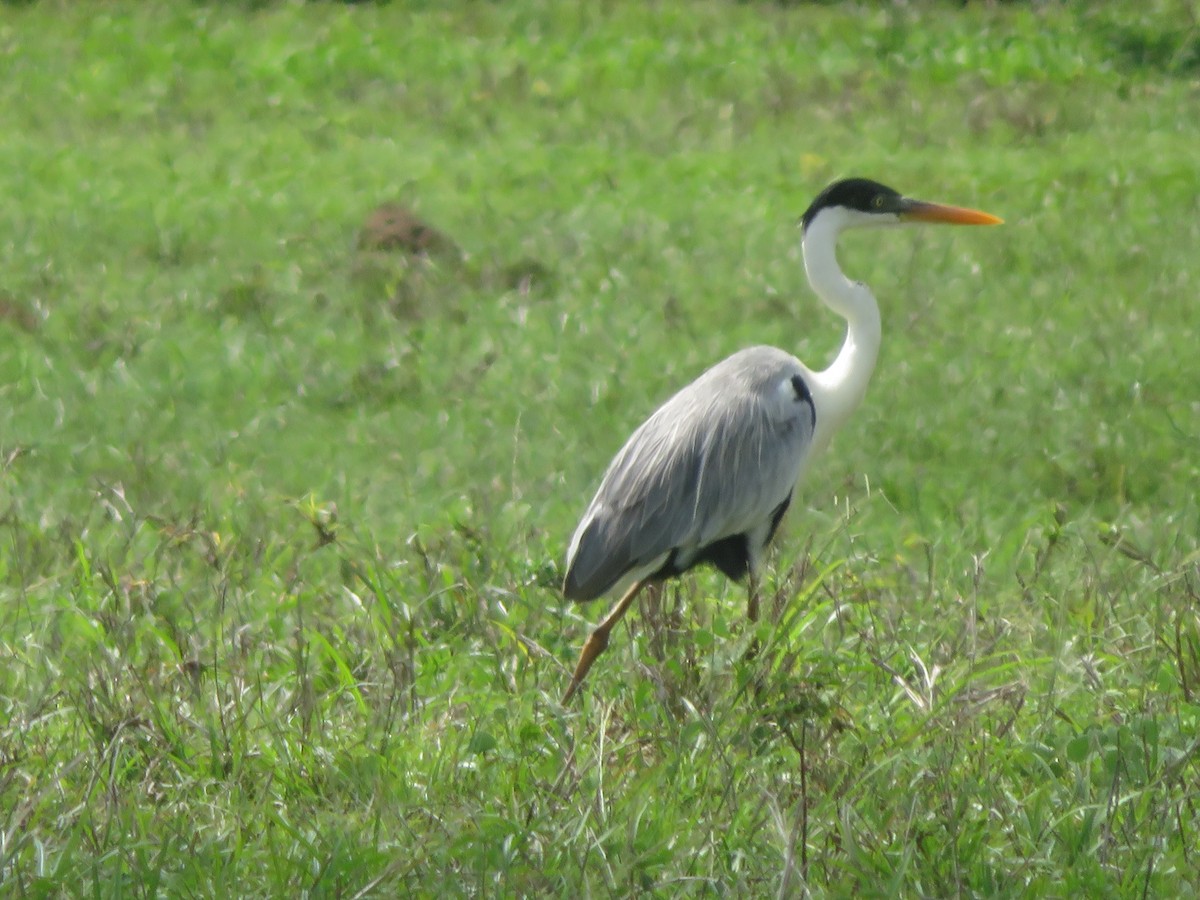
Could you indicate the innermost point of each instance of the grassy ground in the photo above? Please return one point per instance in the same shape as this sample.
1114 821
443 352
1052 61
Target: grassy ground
281 518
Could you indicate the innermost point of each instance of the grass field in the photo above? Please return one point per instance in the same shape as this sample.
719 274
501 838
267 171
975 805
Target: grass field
282 517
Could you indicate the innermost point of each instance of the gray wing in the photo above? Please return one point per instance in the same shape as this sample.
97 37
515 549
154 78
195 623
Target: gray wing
714 461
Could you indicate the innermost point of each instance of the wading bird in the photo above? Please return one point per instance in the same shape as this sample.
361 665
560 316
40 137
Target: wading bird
708 477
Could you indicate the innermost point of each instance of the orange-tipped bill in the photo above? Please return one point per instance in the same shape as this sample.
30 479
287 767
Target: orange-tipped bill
920 211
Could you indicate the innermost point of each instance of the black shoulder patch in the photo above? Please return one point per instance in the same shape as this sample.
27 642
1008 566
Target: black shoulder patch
801 389
804 395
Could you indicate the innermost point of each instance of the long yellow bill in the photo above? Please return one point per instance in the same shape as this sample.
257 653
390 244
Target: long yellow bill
920 211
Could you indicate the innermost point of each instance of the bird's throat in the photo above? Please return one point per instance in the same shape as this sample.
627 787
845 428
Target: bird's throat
842 386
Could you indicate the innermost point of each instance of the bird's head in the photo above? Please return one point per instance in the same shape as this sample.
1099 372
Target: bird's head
862 203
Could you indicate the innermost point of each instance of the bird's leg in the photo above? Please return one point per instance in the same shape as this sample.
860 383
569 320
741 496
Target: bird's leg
651 610
598 640
752 614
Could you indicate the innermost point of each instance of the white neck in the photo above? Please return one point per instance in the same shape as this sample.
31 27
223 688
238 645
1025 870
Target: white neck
843 385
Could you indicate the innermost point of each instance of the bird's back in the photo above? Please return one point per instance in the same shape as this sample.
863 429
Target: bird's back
714 461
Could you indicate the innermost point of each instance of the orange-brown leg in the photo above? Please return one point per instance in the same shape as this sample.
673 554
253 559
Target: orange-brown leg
752 597
752 614
654 619
599 640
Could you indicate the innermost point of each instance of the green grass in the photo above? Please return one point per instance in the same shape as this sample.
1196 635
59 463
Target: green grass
281 521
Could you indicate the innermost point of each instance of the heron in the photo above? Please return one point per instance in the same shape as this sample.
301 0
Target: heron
708 477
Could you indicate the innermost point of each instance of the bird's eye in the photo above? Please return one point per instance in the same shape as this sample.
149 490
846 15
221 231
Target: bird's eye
877 201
